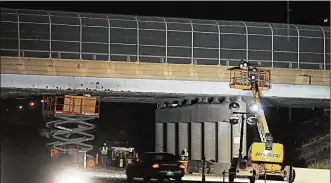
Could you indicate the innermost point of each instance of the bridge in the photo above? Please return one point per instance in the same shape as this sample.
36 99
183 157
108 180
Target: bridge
164 60
159 56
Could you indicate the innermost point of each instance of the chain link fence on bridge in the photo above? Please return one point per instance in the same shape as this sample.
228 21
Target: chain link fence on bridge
69 35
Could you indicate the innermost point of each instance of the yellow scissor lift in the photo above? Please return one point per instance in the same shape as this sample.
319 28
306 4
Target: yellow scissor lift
266 157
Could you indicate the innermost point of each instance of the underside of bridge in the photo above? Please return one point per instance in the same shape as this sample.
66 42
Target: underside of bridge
151 97
198 122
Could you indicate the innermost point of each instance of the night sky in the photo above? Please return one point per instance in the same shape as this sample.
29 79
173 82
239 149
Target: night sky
311 13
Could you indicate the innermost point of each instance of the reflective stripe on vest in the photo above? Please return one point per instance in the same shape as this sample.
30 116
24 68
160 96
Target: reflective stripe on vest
104 150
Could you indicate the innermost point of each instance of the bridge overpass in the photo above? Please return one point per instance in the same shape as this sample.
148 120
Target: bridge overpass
159 56
137 82
156 60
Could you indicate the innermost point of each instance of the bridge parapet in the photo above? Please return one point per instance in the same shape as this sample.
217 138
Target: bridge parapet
140 70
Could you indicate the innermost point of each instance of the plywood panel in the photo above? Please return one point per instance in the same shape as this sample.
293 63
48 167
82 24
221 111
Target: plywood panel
79 104
88 68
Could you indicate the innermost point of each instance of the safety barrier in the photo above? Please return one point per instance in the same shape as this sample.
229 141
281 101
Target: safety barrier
305 175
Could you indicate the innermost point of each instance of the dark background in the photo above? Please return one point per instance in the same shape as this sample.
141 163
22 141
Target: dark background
309 12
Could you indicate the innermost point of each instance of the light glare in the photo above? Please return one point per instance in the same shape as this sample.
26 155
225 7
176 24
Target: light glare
254 107
71 175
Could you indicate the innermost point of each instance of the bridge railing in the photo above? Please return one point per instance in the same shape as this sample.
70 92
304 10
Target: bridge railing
69 35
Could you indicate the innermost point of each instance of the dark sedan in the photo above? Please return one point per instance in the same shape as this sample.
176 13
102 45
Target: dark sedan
156 165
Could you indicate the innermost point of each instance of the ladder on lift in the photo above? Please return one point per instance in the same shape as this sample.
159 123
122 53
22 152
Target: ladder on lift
67 118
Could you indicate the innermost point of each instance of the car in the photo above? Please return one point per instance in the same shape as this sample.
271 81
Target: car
158 165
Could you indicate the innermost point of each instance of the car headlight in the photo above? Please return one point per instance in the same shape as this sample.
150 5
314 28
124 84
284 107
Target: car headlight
71 175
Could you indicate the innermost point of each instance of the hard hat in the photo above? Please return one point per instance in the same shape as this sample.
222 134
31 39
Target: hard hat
185 149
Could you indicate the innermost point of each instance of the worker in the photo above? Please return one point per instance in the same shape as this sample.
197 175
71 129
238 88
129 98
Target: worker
244 74
184 154
252 77
243 78
104 154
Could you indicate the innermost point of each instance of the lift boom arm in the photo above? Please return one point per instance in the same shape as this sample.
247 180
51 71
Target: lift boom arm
262 124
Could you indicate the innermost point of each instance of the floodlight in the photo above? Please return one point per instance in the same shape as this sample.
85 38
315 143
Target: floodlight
254 107
233 106
234 120
252 120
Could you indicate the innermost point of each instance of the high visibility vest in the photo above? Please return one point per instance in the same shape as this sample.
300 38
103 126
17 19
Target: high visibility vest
104 150
184 155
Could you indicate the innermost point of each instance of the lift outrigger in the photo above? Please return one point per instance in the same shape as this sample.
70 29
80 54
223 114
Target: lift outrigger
67 118
265 157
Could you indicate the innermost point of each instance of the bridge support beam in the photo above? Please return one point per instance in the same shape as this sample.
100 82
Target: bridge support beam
159 146
209 138
223 145
196 141
171 138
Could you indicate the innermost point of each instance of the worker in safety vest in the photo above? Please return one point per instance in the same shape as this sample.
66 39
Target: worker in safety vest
244 66
184 154
104 154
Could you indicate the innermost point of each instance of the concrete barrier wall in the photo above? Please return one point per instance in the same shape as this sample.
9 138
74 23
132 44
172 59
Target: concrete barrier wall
141 70
305 175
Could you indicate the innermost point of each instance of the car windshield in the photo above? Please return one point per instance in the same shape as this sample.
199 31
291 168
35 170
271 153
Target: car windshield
161 157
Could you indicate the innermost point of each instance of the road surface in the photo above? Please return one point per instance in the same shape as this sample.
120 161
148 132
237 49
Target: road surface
103 176
103 180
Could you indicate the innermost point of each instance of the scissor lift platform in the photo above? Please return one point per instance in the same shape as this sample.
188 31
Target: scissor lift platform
67 117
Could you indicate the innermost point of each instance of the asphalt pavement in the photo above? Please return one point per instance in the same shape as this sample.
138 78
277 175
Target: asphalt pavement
101 180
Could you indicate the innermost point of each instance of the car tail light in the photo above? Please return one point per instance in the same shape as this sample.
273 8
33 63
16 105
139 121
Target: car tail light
156 166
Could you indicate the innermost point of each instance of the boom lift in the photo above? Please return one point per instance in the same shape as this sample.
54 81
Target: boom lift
66 116
265 157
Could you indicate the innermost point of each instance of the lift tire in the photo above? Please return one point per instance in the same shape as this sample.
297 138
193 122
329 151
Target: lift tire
232 175
287 177
129 175
252 179
178 179
129 178
231 178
